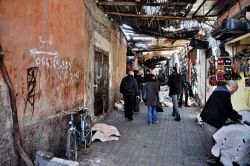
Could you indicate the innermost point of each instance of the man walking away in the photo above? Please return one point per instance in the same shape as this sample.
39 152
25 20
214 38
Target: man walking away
175 83
129 89
217 111
151 101
186 91
139 80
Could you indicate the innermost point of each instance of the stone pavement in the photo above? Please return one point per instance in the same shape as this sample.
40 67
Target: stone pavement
168 143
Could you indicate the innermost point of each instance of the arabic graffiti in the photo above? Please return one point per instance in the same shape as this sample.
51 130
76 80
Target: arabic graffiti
46 42
32 73
68 76
34 51
54 63
63 68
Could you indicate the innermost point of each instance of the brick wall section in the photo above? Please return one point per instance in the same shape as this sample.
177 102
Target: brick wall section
49 135
99 23
233 10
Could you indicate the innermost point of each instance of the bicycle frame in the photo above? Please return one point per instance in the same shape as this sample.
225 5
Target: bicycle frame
86 132
77 136
71 123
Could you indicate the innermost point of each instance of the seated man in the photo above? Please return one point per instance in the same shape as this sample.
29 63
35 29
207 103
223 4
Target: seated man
218 110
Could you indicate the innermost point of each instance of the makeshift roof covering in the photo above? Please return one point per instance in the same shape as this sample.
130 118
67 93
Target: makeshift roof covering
151 25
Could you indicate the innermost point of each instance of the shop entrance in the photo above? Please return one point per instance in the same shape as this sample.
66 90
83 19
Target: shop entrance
101 80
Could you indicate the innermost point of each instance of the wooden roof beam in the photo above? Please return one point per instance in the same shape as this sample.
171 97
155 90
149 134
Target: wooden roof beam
115 3
199 8
212 8
172 48
156 17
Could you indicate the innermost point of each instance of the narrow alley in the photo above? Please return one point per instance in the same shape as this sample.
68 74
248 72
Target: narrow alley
64 66
168 143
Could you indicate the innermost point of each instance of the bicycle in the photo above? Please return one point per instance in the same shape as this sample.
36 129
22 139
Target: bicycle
78 134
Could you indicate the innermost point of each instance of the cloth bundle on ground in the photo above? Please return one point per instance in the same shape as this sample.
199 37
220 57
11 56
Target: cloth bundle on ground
165 99
105 132
233 143
119 105
192 102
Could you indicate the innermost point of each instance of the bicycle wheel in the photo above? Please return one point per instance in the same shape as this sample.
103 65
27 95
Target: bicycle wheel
88 129
71 147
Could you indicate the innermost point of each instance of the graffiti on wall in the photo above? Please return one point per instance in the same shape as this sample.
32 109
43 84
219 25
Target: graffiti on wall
32 73
35 51
62 68
46 41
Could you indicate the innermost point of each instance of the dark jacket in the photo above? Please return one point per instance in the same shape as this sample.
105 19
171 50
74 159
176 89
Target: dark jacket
129 86
175 83
186 87
219 108
139 80
152 92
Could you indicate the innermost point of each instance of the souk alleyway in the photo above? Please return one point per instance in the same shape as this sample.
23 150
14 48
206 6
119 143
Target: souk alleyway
168 143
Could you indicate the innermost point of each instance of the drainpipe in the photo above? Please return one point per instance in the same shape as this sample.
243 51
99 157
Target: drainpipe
15 132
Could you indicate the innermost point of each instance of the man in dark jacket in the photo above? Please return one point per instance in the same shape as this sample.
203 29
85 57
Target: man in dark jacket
152 92
129 89
140 80
219 108
186 90
217 111
175 83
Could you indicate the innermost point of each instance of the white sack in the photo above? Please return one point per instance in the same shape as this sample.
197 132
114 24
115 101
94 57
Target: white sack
233 143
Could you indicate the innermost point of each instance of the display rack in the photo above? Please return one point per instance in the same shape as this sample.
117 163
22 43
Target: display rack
223 68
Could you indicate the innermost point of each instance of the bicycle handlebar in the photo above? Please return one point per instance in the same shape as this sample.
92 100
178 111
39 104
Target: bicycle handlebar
74 112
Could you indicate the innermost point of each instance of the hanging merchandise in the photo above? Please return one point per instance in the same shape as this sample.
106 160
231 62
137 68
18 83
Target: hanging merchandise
232 27
211 72
243 55
233 24
235 72
247 73
247 69
223 50
199 44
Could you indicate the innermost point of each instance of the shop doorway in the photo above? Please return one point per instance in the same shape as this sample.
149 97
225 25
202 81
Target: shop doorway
101 80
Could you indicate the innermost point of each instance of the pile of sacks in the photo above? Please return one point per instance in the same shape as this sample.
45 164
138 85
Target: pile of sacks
233 143
164 97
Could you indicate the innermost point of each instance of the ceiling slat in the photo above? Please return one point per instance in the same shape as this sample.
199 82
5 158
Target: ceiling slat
199 8
115 3
156 17
212 8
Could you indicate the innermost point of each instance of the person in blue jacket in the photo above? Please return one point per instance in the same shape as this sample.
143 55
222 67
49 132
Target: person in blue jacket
217 110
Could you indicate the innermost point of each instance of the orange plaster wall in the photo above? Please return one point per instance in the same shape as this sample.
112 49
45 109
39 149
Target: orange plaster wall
50 35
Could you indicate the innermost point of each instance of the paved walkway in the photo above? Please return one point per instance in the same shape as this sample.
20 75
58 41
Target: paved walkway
168 143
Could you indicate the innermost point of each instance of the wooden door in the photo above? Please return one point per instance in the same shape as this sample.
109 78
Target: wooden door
101 80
